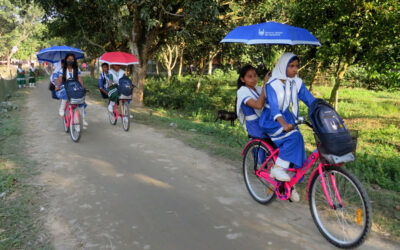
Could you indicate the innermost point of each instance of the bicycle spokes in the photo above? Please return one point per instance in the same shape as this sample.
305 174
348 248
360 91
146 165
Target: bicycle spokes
76 124
340 209
253 165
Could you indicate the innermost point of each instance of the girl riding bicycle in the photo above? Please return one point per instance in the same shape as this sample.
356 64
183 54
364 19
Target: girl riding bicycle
250 103
282 108
116 73
69 70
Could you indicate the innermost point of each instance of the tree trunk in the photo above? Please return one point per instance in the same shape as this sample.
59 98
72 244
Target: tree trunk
201 72
211 57
180 63
9 61
157 69
169 57
139 78
318 71
169 73
210 66
92 66
338 80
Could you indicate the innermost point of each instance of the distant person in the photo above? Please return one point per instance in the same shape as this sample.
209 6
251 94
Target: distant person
104 81
84 66
116 73
21 81
283 93
32 79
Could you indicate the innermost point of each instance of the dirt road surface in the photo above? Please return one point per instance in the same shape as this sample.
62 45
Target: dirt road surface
142 190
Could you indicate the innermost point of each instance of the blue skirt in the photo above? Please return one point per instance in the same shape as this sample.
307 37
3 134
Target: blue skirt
291 148
291 145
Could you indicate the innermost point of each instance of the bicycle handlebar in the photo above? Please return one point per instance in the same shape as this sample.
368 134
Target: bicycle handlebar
300 121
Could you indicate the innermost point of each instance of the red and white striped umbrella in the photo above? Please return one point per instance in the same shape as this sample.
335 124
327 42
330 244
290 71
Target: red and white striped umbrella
118 58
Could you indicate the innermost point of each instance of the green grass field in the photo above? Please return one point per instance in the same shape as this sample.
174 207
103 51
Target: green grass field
375 114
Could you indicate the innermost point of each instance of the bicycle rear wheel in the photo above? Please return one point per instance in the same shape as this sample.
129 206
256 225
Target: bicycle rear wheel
348 224
254 157
76 125
125 116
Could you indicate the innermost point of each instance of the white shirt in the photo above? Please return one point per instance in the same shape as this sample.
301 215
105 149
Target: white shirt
116 75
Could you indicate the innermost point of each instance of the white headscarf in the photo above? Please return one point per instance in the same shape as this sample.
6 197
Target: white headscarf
291 90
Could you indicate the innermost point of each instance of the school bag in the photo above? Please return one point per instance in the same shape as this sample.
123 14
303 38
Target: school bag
75 91
125 88
332 133
113 93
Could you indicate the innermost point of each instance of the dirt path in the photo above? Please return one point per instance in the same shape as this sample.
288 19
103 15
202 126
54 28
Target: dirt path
141 190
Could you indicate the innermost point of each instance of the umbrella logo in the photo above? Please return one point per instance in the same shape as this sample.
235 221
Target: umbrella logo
261 32
273 33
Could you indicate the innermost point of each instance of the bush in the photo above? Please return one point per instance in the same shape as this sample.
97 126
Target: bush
217 91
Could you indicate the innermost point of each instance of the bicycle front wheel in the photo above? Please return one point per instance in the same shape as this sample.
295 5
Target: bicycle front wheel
348 224
125 116
112 118
254 157
66 116
76 125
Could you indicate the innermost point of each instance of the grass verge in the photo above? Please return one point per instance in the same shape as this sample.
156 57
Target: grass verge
20 223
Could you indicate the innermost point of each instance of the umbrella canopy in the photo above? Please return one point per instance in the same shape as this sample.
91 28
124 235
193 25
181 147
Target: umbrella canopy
270 33
57 53
118 58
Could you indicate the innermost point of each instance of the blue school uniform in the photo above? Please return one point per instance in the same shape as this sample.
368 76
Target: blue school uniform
62 93
291 144
103 84
53 78
104 80
251 116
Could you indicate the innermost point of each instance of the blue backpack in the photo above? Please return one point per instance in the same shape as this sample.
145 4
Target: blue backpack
125 86
75 91
330 129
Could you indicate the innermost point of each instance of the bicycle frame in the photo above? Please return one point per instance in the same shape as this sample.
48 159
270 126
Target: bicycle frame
116 113
299 173
69 118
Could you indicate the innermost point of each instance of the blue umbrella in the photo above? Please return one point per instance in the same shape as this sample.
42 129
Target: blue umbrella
57 53
270 33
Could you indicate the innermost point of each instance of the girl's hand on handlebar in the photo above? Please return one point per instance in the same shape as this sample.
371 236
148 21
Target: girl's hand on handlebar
288 127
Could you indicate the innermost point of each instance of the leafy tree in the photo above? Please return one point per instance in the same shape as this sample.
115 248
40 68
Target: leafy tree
169 55
140 27
352 32
20 22
93 26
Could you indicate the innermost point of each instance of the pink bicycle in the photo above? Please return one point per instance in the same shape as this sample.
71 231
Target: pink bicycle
125 116
72 121
339 205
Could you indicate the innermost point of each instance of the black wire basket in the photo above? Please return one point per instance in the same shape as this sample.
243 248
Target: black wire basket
326 152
